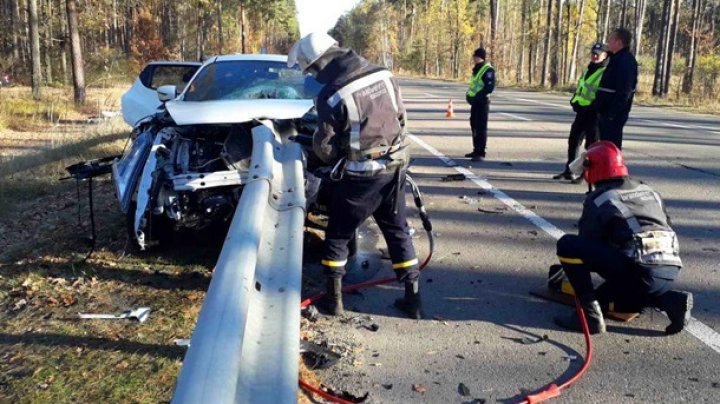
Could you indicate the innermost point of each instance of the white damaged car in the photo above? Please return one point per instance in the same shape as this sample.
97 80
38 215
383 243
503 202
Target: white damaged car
191 144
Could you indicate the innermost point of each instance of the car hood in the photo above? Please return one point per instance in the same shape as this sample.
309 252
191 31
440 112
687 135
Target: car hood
235 111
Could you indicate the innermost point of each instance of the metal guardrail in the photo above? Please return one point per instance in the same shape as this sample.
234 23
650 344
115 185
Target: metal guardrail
245 346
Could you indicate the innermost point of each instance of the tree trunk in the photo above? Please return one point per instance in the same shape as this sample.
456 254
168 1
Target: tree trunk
76 50
48 41
675 12
129 27
555 66
493 26
623 13
532 45
606 21
640 8
548 41
220 26
243 37
63 41
691 52
523 34
661 52
16 24
578 24
36 79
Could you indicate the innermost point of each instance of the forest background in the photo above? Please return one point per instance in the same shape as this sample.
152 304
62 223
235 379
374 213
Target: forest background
532 43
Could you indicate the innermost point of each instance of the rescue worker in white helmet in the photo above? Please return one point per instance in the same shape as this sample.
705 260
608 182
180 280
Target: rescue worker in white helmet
361 133
626 238
585 124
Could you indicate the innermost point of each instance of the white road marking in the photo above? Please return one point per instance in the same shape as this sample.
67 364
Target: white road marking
705 334
674 125
522 118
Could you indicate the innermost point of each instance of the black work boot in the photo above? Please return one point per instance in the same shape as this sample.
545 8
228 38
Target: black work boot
331 302
593 314
677 305
410 303
565 175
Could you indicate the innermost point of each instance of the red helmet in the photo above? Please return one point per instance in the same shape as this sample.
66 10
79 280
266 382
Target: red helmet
603 160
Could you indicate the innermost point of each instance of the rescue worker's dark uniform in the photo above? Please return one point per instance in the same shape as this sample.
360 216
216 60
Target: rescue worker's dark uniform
482 84
361 132
615 96
624 236
585 124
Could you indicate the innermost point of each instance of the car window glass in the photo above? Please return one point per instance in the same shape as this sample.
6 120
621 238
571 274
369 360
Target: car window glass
251 79
172 75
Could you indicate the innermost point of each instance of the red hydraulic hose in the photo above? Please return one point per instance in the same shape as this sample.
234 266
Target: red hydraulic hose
554 390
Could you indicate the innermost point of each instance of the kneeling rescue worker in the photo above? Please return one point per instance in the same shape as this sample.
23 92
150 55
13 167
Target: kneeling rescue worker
625 237
361 133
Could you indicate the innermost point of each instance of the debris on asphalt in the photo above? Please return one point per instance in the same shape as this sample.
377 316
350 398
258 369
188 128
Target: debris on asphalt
570 358
311 313
454 177
140 314
387 386
372 327
469 201
463 390
348 396
528 340
488 211
459 356
420 388
316 356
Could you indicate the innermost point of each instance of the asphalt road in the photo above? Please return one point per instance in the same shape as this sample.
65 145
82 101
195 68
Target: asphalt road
476 289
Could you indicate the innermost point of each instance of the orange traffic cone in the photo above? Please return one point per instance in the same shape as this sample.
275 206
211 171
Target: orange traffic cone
450 113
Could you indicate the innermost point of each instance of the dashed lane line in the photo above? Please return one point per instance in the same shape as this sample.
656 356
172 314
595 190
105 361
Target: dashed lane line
518 117
705 334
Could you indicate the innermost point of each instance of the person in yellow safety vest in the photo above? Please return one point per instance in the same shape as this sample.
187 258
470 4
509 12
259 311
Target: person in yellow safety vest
482 83
586 117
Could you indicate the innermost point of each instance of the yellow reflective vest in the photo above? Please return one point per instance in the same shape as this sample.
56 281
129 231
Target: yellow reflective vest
587 88
476 82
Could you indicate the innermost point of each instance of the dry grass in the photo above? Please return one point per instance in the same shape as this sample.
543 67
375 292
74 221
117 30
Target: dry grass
46 353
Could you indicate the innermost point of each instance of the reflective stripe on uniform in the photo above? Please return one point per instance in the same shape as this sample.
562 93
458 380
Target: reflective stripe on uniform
613 196
405 264
345 94
334 264
571 261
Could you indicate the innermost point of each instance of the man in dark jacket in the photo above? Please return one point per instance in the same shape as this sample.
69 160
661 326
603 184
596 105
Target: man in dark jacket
582 102
617 87
626 238
482 83
361 134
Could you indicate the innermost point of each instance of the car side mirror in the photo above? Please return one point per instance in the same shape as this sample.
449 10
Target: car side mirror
166 93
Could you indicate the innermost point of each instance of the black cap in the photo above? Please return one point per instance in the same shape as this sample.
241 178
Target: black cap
479 52
598 48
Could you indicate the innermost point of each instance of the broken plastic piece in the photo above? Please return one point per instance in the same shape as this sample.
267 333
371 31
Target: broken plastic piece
140 314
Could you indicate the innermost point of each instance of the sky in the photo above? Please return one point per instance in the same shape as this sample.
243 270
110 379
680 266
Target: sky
321 15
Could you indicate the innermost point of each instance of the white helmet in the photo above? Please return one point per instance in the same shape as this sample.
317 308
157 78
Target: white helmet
308 50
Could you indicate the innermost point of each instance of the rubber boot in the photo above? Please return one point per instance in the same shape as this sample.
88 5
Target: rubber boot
331 302
593 314
677 305
410 303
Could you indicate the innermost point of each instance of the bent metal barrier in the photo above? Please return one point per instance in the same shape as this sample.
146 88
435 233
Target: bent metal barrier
245 346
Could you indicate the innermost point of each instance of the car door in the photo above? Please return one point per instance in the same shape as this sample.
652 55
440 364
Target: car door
141 99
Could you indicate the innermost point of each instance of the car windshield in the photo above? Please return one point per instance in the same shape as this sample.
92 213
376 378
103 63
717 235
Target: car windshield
251 80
